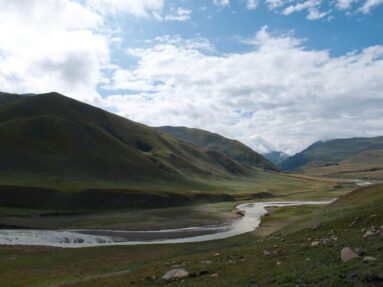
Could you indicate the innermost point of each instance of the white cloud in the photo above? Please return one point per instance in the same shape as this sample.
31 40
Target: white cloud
314 14
179 14
251 4
312 6
139 8
369 5
65 55
315 7
221 2
273 4
345 4
279 91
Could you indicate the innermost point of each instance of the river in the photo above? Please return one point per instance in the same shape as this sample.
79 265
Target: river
253 213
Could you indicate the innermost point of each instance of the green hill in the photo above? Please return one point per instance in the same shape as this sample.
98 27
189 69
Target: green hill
331 153
52 133
51 141
231 148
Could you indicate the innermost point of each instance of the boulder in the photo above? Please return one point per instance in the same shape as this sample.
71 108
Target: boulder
177 273
347 254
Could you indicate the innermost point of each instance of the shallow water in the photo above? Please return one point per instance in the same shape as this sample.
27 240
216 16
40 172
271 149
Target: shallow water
89 238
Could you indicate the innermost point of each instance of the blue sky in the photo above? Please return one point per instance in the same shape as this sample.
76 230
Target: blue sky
340 31
275 74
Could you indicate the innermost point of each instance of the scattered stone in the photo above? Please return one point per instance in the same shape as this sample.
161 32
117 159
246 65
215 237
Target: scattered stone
369 259
308 259
373 215
178 273
279 263
359 251
347 254
206 262
371 232
315 243
214 275
275 246
266 253
326 241
217 254
316 226
282 240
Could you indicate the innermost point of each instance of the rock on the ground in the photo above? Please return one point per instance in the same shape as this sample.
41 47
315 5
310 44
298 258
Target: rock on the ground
206 262
316 226
369 259
359 251
370 233
178 273
315 243
347 254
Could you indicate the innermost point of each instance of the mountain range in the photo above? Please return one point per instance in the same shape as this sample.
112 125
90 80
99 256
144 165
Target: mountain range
55 142
339 154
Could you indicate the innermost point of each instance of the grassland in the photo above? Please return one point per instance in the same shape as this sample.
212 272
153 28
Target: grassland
240 262
211 204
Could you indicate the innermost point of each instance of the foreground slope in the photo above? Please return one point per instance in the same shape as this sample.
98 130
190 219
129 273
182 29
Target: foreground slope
285 258
332 152
232 148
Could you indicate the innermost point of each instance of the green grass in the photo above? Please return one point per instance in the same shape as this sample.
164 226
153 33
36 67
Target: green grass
210 209
241 261
334 151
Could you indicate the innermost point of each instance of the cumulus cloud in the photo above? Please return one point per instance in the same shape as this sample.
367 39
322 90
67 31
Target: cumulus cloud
279 91
65 55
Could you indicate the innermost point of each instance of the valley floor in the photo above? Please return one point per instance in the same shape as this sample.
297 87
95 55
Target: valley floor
280 253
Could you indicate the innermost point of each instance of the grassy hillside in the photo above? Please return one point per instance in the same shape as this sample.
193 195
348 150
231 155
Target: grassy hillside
58 153
290 259
231 148
49 138
367 165
332 152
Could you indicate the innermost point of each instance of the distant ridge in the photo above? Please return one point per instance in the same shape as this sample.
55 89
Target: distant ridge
233 149
332 152
276 157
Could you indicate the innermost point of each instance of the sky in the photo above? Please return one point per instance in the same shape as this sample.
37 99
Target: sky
274 74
